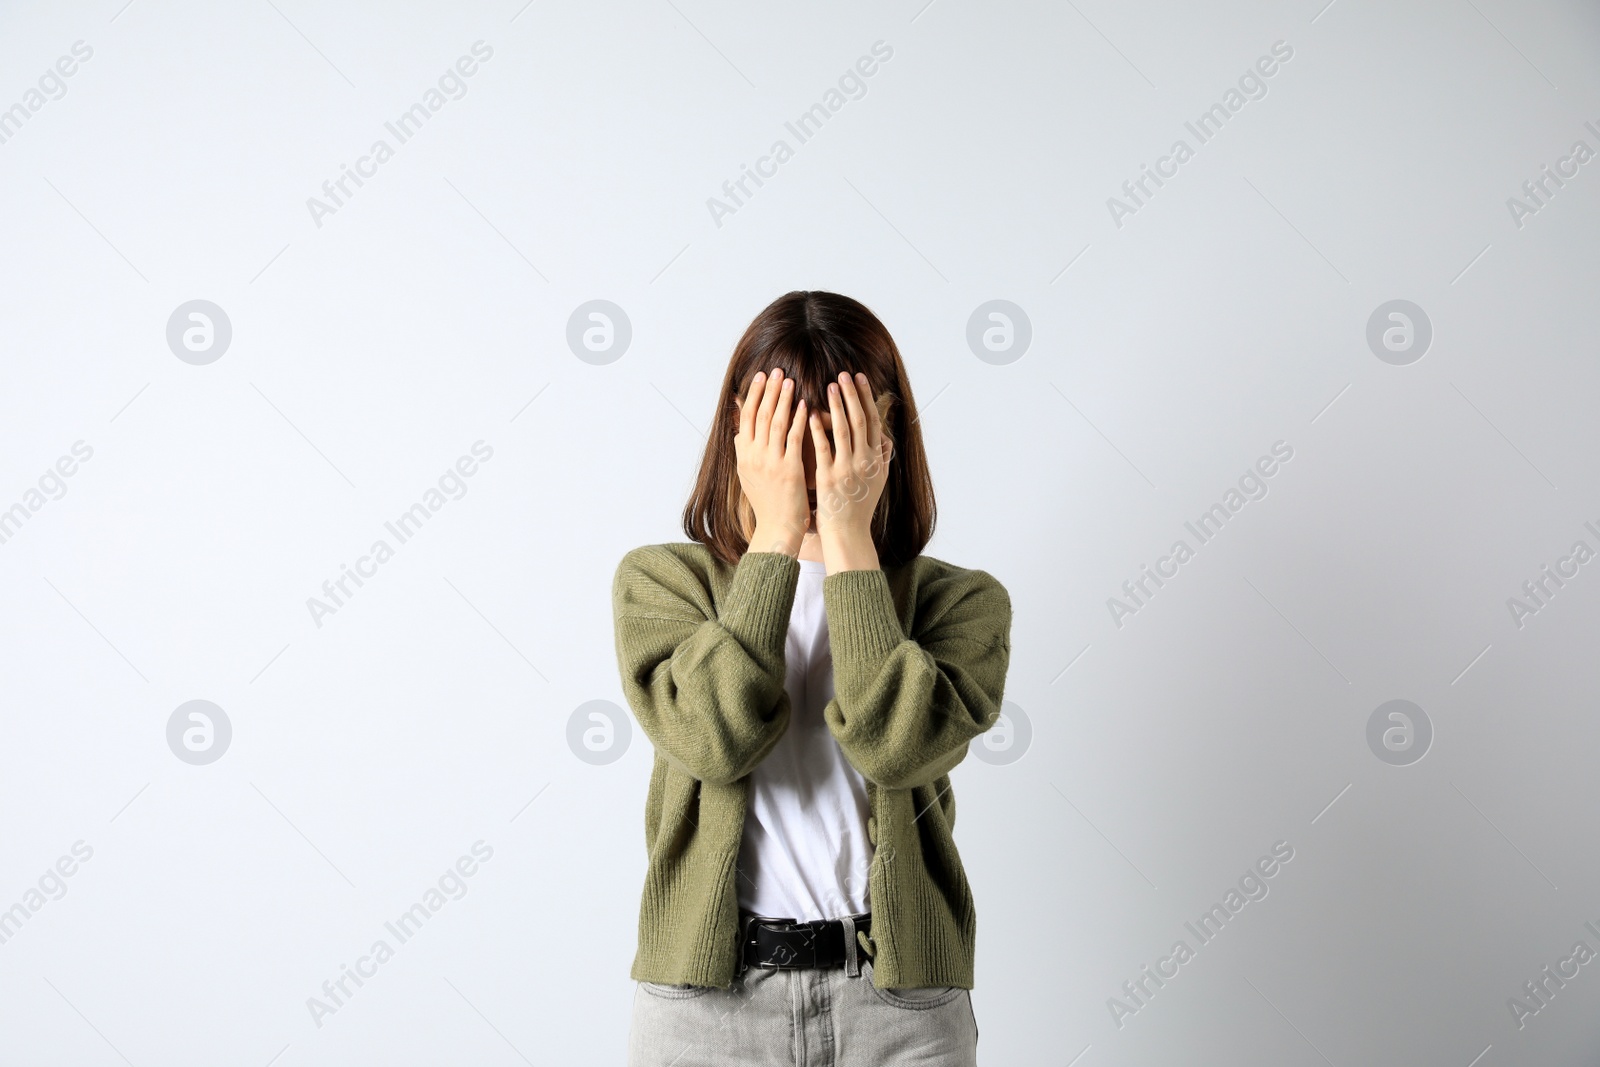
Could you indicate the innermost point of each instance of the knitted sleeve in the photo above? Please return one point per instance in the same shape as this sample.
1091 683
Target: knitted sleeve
706 685
905 709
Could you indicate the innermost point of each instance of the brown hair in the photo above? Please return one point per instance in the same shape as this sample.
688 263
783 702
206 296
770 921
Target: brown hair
814 336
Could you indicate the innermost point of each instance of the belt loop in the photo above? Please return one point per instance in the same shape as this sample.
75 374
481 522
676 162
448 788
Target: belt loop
852 962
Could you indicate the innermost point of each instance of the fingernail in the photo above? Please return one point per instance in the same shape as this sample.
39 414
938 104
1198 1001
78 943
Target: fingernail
760 375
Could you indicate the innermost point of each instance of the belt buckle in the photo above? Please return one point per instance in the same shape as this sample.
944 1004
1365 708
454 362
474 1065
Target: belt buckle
754 923
784 955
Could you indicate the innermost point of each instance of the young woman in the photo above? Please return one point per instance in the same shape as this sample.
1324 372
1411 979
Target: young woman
808 679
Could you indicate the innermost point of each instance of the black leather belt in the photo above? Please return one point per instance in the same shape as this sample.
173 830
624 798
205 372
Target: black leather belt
768 942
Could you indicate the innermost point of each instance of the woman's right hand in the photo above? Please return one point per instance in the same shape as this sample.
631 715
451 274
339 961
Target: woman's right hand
769 448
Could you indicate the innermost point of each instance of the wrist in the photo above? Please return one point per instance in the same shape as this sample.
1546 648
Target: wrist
849 550
781 539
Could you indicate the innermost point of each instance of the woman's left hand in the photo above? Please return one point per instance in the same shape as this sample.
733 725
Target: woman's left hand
851 474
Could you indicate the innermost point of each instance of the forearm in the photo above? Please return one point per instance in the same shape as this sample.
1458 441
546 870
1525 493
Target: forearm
708 709
905 710
707 692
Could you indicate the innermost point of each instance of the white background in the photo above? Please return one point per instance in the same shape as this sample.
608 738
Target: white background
429 312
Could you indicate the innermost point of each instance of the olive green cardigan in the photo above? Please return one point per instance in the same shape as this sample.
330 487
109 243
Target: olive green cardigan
920 653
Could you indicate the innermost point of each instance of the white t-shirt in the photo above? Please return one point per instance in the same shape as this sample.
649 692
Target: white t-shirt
805 854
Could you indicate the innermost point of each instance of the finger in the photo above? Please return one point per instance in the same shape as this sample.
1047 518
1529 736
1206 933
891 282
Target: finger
869 408
871 440
769 397
841 423
747 410
797 431
858 418
819 441
780 415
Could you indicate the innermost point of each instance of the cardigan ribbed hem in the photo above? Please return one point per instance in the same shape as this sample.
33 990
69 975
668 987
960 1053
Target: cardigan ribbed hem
862 624
761 599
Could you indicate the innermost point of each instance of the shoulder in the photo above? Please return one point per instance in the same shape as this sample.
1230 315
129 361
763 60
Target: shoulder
932 574
678 571
941 590
671 555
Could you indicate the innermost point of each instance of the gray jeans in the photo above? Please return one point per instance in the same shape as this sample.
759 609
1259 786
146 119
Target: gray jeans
800 1017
